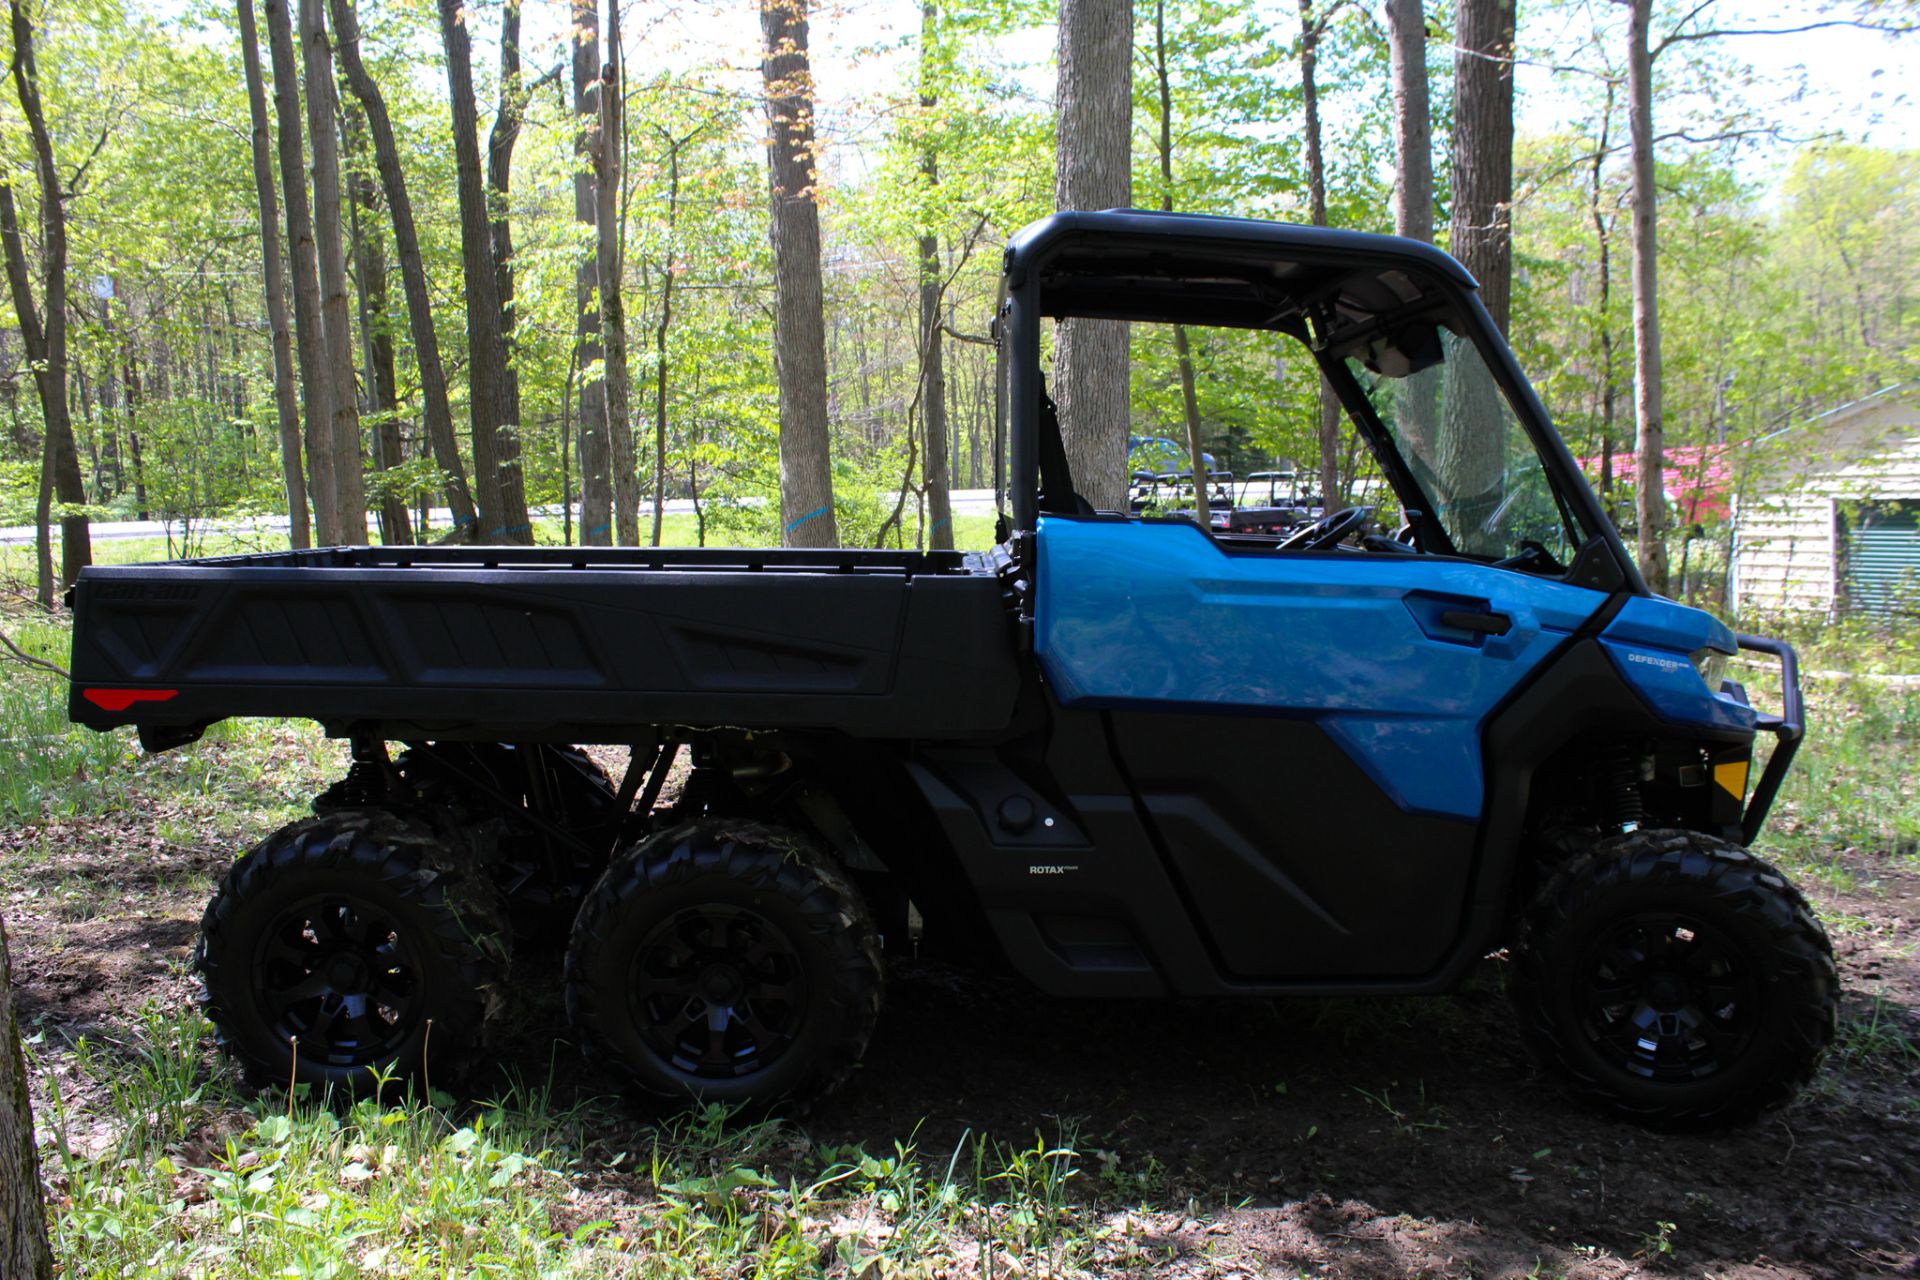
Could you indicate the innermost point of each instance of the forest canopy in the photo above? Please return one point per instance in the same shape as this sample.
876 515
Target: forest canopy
643 273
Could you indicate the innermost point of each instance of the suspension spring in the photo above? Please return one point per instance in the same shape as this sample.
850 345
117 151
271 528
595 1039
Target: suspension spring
1623 806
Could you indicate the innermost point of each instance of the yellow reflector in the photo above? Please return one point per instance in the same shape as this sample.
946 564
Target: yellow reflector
1733 776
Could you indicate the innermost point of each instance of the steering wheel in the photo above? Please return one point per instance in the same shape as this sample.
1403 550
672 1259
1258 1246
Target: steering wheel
1327 530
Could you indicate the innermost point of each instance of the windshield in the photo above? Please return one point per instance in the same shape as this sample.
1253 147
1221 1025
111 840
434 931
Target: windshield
1485 482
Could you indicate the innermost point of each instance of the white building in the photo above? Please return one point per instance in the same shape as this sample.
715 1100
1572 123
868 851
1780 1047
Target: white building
1830 520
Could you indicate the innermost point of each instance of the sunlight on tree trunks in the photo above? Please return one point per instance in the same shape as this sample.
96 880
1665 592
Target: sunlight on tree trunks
807 517
1093 112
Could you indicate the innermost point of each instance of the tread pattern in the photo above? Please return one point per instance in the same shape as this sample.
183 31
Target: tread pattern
1692 871
774 860
355 848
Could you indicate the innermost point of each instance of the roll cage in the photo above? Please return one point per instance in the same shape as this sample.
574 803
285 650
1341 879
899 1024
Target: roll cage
1340 293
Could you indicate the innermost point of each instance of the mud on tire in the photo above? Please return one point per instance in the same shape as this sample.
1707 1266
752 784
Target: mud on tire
728 962
1675 979
361 934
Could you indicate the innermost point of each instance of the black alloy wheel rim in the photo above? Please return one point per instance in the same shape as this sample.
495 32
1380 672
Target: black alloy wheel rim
1667 997
337 976
716 991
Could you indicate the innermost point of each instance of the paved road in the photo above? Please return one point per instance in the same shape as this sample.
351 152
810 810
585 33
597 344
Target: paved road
966 502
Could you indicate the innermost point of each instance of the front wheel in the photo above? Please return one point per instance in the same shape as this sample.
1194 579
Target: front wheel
1675 979
728 962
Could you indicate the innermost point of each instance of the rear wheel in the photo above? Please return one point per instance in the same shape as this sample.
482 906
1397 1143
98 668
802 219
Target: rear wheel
1675 979
349 948
725 961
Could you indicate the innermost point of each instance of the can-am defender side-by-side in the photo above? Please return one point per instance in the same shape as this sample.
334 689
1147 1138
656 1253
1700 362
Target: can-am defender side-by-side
1064 753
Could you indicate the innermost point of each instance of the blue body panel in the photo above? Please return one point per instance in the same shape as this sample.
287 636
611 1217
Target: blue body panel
1652 641
1147 615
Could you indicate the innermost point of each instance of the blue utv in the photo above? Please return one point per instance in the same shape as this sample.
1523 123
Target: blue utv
1064 752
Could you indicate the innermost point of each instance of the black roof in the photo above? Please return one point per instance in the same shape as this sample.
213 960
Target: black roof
1201 269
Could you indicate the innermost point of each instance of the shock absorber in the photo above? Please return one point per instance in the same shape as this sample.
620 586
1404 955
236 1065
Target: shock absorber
1621 804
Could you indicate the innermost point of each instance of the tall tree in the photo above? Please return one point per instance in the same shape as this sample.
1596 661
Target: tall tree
1650 487
1093 116
349 483
376 325
1470 453
514 93
933 341
436 412
496 447
596 492
1481 236
1313 26
669 273
799 327
310 345
1412 121
285 394
608 155
1183 353
1413 197
46 338
1603 229
24 1252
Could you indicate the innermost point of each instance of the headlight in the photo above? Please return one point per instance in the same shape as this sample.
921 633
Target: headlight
1712 666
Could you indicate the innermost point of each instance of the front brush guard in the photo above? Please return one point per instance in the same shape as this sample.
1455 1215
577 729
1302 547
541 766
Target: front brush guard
1788 728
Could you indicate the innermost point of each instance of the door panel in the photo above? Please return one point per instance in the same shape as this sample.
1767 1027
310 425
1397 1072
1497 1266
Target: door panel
1304 728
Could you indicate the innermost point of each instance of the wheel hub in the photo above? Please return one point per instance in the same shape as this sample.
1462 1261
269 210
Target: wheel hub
347 974
1666 997
716 990
336 975
722 984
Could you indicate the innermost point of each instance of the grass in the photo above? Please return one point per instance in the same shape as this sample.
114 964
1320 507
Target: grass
1853 785
194 1181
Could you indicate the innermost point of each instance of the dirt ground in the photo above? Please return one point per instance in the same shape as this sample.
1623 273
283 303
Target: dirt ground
1343 1138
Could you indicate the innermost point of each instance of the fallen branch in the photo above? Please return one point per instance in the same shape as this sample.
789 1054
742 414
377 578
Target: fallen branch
32 661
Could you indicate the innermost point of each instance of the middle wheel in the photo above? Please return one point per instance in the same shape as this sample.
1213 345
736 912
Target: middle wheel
728 962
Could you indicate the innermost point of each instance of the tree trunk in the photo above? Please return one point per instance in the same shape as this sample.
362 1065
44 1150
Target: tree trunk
667 273
436 411
500 144
1603 235
596 491
24 1252
46 588
1183 355
310 347
1413 203
1650 488
285 395
1482 231
1332 490
349 484
376 329
1470 455
48 336
496 448
1094 119
800 338
610 260
1412 121
933 343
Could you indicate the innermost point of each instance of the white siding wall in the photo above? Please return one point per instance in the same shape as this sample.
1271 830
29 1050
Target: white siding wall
1785 557
1783 553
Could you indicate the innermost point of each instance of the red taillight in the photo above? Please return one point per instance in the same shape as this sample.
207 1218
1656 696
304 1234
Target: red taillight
121 699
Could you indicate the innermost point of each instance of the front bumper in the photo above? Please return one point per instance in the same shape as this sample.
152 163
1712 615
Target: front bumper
1788 728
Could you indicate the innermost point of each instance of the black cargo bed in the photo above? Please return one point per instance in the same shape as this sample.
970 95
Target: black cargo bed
548 643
